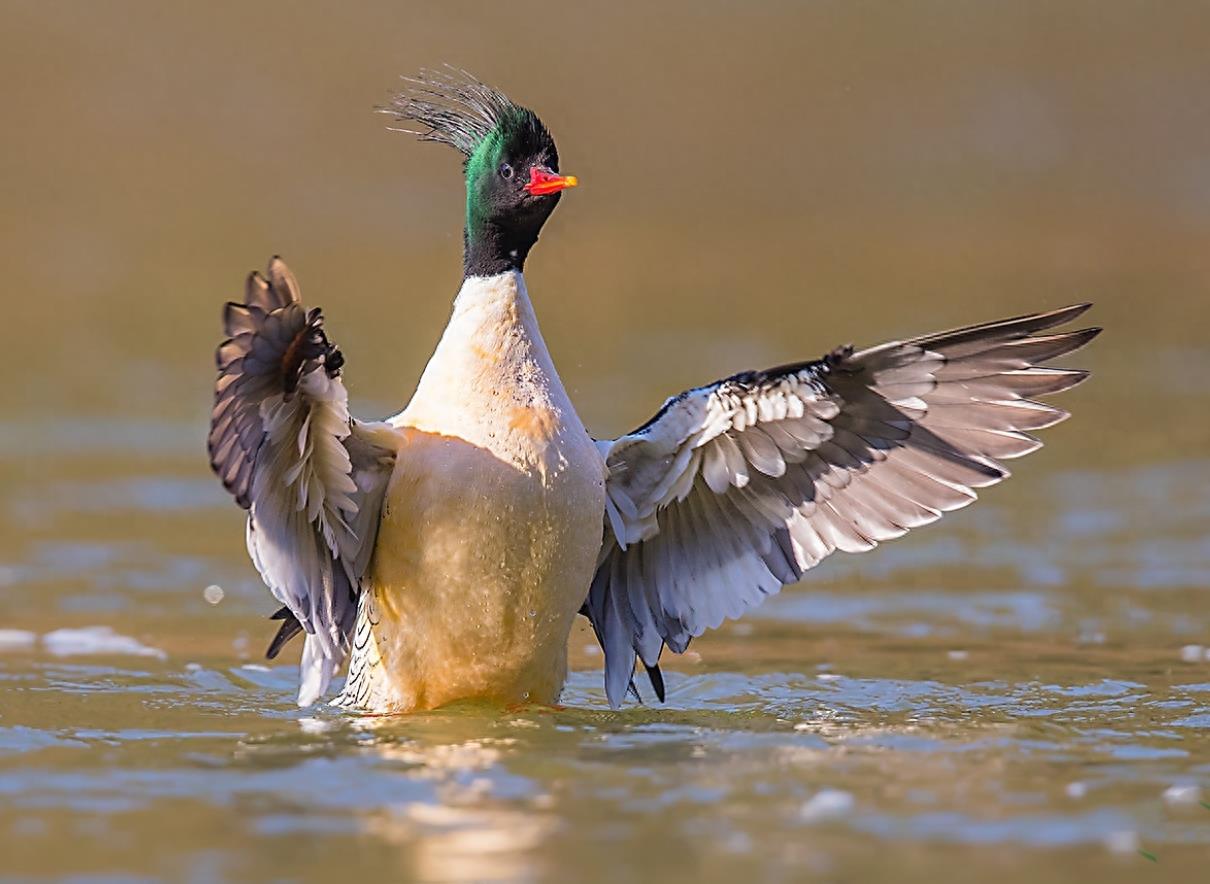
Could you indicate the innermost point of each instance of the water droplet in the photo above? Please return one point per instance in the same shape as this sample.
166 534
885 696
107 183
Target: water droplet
532 613
525 696
13 639
213 594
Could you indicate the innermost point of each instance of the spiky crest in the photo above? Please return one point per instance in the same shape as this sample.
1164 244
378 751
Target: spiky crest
456 108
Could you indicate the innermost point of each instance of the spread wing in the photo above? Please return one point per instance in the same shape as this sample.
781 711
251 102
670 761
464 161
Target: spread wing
735 489
312 478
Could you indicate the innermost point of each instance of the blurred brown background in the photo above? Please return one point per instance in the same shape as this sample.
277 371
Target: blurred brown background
760 183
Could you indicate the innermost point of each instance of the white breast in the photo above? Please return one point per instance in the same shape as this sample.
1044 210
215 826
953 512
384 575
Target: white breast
491 381
494 518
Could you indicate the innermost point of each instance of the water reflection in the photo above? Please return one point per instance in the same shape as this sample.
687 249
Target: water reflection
455 842
744 761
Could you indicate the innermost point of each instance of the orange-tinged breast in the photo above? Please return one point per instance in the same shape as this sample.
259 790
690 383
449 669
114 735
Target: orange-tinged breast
536 423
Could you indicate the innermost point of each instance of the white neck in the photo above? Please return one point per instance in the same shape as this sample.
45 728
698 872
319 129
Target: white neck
490 365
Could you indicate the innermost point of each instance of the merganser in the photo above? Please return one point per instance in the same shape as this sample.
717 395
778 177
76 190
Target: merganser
447 550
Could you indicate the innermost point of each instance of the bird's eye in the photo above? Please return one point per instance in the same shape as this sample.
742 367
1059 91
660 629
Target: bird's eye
506 171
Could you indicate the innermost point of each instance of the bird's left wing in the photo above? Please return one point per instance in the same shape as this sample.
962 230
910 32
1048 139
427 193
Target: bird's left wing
735 489
311 477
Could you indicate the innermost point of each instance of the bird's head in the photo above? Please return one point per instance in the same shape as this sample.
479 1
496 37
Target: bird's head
510 160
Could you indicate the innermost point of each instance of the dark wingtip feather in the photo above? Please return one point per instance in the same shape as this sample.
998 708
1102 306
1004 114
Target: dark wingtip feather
1015 327
1071 311
1066 342
633 689
657 680
290 628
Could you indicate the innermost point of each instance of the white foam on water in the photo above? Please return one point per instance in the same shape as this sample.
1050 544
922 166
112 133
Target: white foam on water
1183 795
90 640
827 804
17 639
1076 790
1193 654
313 726
1122 842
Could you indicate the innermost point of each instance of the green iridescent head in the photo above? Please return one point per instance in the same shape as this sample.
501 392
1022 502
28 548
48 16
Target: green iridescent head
511 164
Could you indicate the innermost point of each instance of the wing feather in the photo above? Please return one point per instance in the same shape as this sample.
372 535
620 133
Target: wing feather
312 478
735 489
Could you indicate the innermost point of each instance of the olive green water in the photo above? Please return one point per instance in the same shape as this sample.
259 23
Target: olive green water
1019 692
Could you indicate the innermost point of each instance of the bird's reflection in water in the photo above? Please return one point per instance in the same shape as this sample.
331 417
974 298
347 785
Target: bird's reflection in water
484 824
453 842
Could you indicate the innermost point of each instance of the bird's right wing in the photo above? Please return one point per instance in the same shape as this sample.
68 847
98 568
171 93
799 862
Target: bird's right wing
311 477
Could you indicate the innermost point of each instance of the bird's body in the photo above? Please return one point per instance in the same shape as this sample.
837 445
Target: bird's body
492 520
446 552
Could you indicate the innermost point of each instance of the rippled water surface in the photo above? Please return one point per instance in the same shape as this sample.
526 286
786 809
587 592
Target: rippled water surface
1021 692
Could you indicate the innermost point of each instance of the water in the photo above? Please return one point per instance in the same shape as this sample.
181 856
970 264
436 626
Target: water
1022 690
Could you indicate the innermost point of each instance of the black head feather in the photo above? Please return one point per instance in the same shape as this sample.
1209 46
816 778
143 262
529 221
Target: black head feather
455 108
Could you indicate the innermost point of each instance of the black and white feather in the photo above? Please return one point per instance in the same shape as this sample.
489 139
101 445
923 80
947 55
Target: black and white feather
455 108
735 489
312 478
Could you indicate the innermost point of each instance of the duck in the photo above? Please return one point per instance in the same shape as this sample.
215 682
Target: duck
445 552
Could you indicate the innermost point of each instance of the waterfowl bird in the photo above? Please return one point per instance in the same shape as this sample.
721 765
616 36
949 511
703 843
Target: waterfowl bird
447 550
